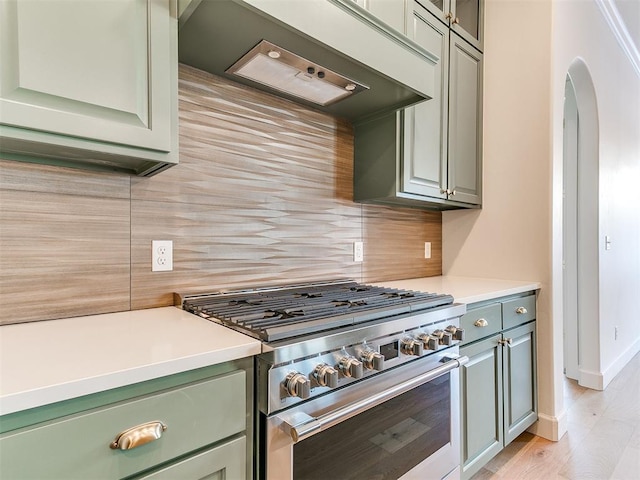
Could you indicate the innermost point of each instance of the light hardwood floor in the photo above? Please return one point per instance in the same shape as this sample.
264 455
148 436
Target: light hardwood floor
602 442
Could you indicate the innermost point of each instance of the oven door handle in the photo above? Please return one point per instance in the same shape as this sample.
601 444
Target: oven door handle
305 426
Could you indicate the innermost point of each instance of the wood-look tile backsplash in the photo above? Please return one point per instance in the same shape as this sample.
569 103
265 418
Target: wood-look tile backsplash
262 195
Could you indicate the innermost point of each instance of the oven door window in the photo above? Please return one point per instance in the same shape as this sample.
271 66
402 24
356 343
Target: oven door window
384 442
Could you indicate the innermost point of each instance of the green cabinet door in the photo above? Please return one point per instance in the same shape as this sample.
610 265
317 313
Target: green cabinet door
498 385
424 160
392 12
465 122
225 462
467 20
465 17
79 446
428 155
520 406
481 403
92 82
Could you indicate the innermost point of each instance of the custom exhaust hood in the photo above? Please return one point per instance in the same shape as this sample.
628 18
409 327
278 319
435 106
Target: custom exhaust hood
277 68
328 54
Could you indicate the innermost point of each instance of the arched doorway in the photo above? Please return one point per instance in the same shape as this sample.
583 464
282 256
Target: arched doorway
581 304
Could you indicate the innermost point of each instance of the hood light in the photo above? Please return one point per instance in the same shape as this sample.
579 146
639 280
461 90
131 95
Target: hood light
287 72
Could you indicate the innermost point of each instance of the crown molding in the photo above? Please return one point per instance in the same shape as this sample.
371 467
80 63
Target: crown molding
613 18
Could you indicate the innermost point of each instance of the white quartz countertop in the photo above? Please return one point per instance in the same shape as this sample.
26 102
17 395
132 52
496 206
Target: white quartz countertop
50 361
465 289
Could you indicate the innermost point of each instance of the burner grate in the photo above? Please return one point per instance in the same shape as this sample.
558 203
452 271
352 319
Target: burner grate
288 312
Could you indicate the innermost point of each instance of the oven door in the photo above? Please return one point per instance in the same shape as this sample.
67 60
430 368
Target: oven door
402 423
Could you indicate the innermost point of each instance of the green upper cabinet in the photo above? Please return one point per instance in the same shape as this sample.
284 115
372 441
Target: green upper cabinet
429 155
89 83
425 146
465 17
392 12
464 132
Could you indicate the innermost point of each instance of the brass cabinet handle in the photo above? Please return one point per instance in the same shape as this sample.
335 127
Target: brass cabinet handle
449 16
456 21
138 435
506 341
452 192
481 322
521 310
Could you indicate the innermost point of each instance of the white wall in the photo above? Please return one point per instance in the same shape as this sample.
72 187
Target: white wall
529 45
511 236
580 30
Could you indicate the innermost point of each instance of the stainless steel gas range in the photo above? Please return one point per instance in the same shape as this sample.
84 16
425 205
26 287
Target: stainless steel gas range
355 381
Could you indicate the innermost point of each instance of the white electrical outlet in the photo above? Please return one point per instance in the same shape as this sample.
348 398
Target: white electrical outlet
358 251
161 255
427 249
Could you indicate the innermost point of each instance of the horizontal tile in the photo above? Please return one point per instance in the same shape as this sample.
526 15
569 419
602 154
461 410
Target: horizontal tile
64 245
394 243
31 177
263 194
217 247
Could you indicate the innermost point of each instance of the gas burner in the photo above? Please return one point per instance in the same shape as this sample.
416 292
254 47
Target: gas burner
287 312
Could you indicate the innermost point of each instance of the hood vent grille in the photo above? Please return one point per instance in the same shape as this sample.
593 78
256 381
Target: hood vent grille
287 72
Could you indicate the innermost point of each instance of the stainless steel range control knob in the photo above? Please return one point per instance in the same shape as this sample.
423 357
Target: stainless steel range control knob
297 385
351 367
429 341
411 346
372 360
456 332
326 375
444 338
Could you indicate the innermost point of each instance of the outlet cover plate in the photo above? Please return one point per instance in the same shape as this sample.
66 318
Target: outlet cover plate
161 255
358 251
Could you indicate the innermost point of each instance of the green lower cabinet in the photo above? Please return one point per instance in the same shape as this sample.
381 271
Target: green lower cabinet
482 403
498 385
225 462
194 427
521 404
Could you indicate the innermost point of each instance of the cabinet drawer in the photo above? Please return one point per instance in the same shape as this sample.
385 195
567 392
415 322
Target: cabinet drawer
77 446
518 311
474 326
226 461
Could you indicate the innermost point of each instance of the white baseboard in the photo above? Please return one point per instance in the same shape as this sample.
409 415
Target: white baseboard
590 379
550 427
616 367
554 427
600 380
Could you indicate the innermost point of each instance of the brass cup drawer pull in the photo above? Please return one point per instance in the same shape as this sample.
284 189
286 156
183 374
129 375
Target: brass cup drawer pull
521 310
138 435
481 322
